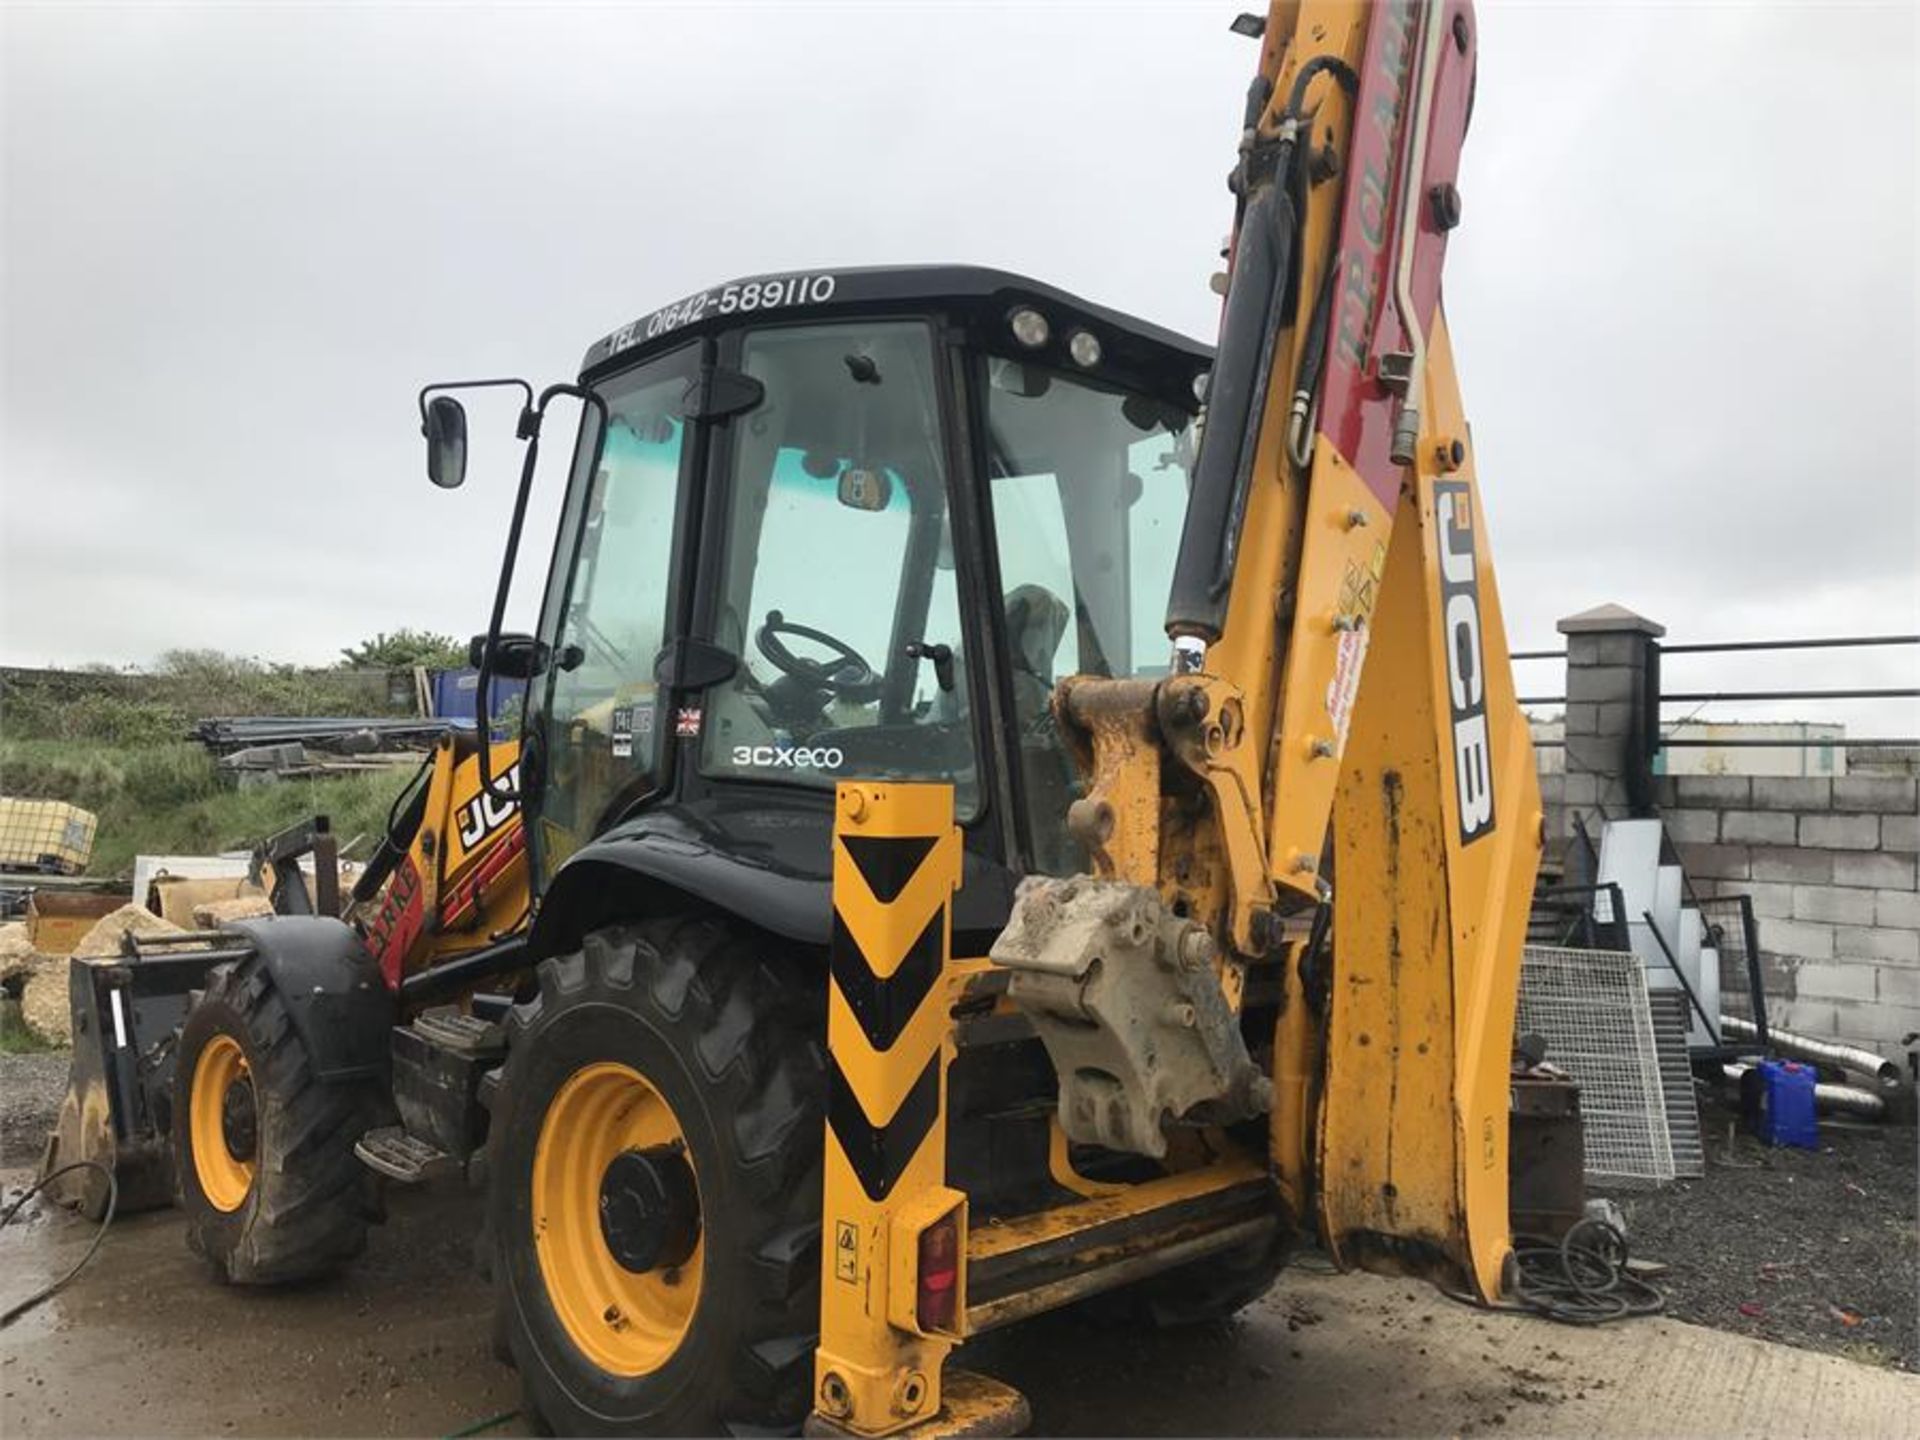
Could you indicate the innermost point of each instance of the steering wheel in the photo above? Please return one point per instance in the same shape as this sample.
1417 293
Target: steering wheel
846 674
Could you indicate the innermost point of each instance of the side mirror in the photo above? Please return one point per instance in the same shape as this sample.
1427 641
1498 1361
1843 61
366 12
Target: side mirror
515 657
446 432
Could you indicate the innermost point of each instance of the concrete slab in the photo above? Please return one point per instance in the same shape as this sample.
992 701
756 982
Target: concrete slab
145 1343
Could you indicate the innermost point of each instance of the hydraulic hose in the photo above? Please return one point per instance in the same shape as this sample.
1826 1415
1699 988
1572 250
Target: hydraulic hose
1406 427
1259 297
1210 540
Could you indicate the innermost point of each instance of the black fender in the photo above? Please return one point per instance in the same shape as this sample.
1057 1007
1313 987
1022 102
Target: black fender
761 856
660 864
340 1006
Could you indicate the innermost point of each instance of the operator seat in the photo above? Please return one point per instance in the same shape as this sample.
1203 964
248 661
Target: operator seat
1036 621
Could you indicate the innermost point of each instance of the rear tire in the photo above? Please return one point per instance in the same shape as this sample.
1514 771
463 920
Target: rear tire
295 1201
723 1050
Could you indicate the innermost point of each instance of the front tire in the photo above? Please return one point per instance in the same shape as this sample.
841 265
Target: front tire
654 1185
264 1149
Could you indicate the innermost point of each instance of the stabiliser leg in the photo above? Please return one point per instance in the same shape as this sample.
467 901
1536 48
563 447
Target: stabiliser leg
893 1235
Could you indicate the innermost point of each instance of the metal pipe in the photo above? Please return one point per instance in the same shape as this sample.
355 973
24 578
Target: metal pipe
1711 697
1821 1052
1406 428
1706 697
1834 1099
1838 742
1822 642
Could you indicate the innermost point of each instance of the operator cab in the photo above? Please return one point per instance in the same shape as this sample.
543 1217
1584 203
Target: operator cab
853 524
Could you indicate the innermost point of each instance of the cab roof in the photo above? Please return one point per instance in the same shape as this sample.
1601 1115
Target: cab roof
984 295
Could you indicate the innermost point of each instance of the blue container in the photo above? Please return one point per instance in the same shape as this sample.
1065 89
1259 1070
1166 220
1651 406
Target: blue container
1780 1104
456 691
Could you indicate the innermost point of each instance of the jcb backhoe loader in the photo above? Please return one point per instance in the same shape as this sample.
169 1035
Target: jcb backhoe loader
446 884
1019 806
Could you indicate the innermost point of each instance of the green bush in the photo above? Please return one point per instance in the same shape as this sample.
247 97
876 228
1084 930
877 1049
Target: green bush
405 648
120 720
171 799
167 775
115 743
84 775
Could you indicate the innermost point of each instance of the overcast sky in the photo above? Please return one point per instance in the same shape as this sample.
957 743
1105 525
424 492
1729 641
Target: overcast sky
237 240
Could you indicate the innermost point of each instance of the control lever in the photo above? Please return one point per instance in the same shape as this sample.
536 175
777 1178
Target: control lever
942 657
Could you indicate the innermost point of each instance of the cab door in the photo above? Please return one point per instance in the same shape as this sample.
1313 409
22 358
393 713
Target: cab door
597 718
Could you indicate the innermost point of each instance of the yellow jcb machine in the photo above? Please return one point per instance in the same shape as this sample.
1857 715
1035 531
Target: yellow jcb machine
163 1090
1020 805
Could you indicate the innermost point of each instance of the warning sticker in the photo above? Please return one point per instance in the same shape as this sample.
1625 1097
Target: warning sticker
1344 688
623 732
1359 592
846 1252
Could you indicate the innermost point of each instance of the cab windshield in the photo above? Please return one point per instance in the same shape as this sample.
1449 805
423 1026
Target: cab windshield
838 591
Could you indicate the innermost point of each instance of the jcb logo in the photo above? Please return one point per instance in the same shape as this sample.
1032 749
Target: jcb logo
483 814
1466 670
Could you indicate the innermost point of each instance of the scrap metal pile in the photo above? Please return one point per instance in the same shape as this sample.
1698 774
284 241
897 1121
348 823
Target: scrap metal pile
341 735
255 747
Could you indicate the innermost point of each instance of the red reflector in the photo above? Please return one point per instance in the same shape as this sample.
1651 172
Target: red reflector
939 1274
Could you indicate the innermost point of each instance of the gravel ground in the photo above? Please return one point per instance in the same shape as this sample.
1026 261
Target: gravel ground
1815 1248
30 1091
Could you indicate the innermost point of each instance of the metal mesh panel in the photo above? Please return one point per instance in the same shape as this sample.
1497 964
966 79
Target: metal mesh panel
1729 920
1591 1008
1671 1020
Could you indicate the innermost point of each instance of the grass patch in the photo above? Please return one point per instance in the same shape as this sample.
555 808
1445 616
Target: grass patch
15 1037
172 799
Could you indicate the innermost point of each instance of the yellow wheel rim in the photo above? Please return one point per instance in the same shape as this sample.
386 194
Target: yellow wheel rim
625 1323
225 1178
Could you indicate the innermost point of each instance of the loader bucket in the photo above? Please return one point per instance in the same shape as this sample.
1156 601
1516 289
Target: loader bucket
118 1107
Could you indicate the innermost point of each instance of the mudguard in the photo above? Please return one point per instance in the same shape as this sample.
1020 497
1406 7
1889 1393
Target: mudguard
762 857
341 1009
127 1010
766 864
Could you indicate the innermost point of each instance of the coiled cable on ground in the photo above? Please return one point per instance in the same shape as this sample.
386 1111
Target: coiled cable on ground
14 1312
1581 1279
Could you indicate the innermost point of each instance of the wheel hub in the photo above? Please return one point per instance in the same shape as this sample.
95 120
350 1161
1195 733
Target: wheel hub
239 1125
650 1209
615 1195
223 1123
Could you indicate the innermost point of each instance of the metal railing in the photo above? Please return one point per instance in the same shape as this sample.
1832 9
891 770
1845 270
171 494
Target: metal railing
1660 733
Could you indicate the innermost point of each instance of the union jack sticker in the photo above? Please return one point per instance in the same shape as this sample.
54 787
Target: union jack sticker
686 721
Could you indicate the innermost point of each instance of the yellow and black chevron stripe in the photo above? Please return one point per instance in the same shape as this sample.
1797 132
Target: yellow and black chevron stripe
891 922
896 864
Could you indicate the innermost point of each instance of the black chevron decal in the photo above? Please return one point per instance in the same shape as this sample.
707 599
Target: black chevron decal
880 1153
888 862
883 1007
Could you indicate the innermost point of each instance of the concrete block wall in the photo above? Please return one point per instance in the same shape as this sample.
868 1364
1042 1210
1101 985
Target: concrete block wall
1833 867
1830 863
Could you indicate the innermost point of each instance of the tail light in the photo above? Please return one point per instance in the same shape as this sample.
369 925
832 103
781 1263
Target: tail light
939 1269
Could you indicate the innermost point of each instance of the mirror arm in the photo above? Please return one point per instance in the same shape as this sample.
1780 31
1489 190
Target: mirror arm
531 414
427 392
